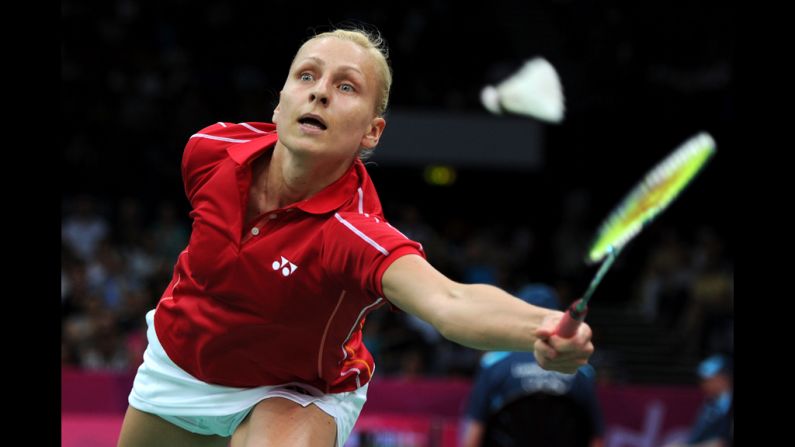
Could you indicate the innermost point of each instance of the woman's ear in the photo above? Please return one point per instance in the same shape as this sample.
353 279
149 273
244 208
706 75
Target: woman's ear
370 139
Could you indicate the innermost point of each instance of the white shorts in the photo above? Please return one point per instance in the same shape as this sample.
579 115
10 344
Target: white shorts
166 390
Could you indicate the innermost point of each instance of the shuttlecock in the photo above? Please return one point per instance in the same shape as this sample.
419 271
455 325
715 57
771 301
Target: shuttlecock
533 91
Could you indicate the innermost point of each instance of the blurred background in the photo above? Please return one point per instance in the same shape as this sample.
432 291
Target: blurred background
506 201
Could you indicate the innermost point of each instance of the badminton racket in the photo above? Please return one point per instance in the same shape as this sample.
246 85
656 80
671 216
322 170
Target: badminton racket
650 197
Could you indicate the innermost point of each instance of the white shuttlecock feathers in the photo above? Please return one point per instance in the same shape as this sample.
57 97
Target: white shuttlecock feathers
533 91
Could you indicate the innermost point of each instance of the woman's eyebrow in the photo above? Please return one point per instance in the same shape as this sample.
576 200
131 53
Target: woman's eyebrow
322 63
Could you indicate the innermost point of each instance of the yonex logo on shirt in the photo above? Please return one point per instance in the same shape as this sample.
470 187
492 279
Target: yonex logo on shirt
286 271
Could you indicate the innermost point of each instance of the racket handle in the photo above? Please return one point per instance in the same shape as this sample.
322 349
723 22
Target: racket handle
571 320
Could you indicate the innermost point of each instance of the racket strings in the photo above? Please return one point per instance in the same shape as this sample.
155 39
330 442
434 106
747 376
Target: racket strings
652 195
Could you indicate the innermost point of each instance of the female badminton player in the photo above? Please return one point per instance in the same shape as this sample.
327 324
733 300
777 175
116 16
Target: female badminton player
257 339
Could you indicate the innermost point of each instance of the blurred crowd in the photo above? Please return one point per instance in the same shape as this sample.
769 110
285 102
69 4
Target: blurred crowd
118 257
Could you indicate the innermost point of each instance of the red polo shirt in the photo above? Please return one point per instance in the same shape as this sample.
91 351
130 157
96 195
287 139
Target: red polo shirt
282 299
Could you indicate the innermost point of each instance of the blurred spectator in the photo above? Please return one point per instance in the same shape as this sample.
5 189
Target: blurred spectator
79 327
479 264
513 397
108 276
67 261
143 260
409 222
129 224
665 280
714 426
399 350
170 233
83 229
573 235
708 322
74 284
105 349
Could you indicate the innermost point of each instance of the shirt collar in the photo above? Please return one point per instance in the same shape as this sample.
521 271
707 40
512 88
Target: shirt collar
243 153
334 196
329 199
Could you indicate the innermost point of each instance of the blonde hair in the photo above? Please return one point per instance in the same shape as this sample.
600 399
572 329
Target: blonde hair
373 42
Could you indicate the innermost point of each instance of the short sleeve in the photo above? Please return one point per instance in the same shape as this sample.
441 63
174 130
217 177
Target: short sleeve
358 248
206 149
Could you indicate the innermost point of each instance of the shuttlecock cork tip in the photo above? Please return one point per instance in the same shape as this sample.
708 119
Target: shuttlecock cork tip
490 98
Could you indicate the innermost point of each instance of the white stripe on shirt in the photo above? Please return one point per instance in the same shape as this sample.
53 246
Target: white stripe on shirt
362 235
213 137
249 126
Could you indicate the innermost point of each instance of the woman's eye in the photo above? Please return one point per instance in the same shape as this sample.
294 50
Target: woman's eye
306 77
347 88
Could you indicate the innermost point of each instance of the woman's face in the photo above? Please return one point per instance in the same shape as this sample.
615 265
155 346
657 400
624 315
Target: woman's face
327 105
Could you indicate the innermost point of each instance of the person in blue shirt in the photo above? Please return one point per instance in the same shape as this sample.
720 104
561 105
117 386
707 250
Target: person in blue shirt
714 423
512 396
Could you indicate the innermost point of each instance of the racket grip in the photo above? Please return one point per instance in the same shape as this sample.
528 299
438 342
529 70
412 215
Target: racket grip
571 320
